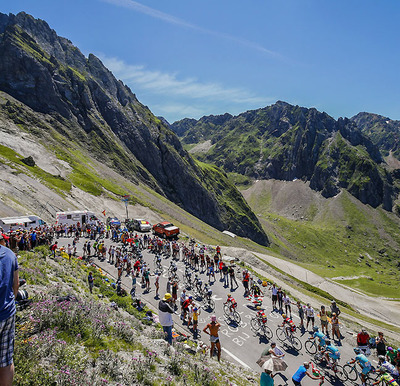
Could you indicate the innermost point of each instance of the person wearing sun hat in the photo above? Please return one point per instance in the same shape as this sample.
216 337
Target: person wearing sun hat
165 311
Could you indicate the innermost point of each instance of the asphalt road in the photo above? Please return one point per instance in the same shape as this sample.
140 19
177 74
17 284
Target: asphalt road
239 343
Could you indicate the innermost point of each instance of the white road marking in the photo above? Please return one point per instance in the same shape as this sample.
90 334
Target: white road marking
235 358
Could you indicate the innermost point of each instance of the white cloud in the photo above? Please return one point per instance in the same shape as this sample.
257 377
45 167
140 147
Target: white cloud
167 84
138 7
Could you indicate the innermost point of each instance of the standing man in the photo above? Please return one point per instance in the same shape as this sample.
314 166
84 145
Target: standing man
90 281
231 271
213 328
274 292
165 311
9 283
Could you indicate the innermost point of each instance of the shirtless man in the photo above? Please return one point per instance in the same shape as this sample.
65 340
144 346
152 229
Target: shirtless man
213 327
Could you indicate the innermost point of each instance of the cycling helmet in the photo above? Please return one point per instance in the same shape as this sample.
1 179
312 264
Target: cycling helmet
390 349
356 350
328 342
229 295
315 328
190 297
284 316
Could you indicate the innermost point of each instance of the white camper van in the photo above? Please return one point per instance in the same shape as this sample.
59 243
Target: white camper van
75 216
20 222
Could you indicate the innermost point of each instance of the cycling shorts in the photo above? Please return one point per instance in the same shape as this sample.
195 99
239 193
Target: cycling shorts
367 368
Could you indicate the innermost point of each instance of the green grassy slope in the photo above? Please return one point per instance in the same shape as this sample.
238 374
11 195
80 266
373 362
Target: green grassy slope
337 238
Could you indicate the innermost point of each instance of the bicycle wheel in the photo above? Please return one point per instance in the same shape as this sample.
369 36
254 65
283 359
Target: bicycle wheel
226 311
310 347
236 317
296 343
280 334
267 332
254 324
351 372
340 373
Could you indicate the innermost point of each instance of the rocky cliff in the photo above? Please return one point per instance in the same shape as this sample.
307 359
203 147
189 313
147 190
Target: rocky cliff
383 132
288 142
86 106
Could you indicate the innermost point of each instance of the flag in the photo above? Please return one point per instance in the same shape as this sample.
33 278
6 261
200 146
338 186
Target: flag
104 212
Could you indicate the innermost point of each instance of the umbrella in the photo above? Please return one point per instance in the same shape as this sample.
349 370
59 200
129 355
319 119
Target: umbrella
275 364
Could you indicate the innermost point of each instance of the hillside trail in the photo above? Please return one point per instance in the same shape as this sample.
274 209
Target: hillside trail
375 307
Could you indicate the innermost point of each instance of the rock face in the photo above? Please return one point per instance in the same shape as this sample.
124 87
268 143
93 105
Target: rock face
288 142
383 132
51 76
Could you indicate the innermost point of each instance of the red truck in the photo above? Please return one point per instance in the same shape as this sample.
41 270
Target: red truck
165 230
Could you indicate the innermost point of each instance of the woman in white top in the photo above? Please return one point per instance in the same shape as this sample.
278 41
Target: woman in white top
310 315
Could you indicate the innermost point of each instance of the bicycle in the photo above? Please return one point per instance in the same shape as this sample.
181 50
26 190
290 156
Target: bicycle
232 315
311 346
158 267
332 364
353 374
207 302
283 335
259 324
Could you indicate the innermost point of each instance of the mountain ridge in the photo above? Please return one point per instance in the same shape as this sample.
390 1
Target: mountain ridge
84 103
287 142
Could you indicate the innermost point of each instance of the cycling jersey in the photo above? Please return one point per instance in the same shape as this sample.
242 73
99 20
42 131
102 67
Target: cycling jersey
364 363
321 337
333 352
388 379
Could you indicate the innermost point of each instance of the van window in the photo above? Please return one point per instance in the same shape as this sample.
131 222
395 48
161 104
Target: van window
69 216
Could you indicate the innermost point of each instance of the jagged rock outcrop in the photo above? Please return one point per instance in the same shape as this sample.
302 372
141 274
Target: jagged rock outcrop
288 142
383 132
51 76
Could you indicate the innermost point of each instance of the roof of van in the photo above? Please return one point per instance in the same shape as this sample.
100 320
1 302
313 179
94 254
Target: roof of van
12 220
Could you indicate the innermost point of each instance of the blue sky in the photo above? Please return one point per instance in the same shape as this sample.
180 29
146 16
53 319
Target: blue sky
189 59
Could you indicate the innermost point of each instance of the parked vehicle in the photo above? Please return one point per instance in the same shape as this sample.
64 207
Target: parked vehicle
23 222
166 230
141 225
75 216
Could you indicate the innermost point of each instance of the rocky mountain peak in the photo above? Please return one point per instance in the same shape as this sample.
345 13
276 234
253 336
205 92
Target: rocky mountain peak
51 76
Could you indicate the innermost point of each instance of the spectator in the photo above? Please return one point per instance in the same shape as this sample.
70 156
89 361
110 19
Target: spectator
274 292
380 344
335 327
166 310
267 378
309 311
363 342
300 310
90 281
301 373
324 321
9 282
334 308
232 276
213 328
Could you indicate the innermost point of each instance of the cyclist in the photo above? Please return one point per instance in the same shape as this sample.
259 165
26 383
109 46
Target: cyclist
331 354
231 302
383 363
288 325
364 363
321 338
207 292
385 377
